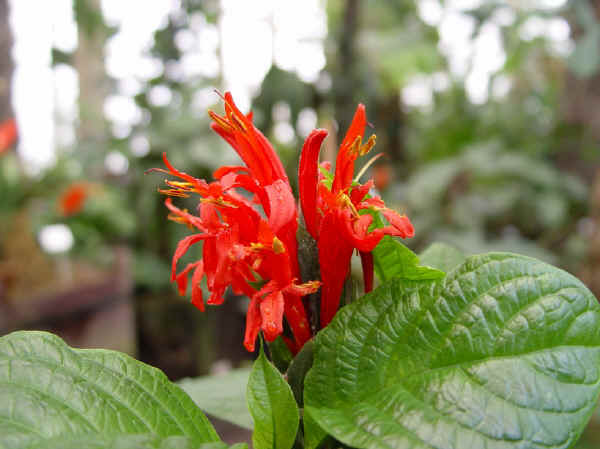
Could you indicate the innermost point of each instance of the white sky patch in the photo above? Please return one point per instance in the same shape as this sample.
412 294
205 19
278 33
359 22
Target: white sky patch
489 57
455 31
64 28
430 11
66 94
33 93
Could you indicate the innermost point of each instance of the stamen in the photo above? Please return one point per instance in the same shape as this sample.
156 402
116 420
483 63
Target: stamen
346 201
174 192
364 149
366 166
221 121
355 147
278 246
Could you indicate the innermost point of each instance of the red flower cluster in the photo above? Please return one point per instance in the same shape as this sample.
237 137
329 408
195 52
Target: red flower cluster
241 248
257 254
339 216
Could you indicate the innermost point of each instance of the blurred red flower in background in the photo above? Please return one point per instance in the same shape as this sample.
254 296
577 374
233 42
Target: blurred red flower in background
8 134
73 199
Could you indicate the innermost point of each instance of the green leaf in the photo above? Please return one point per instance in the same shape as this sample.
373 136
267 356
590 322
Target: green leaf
146 441
502 353
298 369
222 396
280 354
50 392
394 260
441 256
272 406
313 433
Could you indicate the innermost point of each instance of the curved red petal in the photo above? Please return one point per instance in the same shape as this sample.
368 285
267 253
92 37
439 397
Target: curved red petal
271 311
366 260
308 177
344 164
253 323
334 259
197 297
182 248
282 205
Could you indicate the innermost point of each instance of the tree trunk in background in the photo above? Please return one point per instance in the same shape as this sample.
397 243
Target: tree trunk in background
390 125
590 273
89 62
346 82
6 63
581 107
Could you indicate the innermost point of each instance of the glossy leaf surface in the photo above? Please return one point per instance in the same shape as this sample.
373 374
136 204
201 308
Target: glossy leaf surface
51 394
392 259
502 353
272 406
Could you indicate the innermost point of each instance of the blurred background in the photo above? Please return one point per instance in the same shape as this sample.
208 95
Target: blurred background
488 113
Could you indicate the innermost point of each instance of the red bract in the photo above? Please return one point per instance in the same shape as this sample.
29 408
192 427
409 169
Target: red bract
338 212
253 255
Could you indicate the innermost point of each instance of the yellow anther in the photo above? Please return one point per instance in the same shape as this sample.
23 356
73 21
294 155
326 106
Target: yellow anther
346 201
218 201
238 121
355 147
220 120
256 246
173 192
364 149
180 184
278 246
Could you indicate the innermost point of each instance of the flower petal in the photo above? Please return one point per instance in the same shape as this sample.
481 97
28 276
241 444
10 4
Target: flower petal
253 324
308 177
334 258
344 164
282 205
197 298
271 311
182 248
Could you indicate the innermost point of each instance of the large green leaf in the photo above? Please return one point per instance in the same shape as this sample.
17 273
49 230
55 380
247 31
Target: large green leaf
222 396
502 353
272 406
145 441
394 260
53 394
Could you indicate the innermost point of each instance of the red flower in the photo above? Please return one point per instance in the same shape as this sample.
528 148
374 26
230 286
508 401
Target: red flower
8 134
338 212
242 249
73 199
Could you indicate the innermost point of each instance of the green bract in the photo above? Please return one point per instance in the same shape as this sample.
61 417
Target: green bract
54 396
502 353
